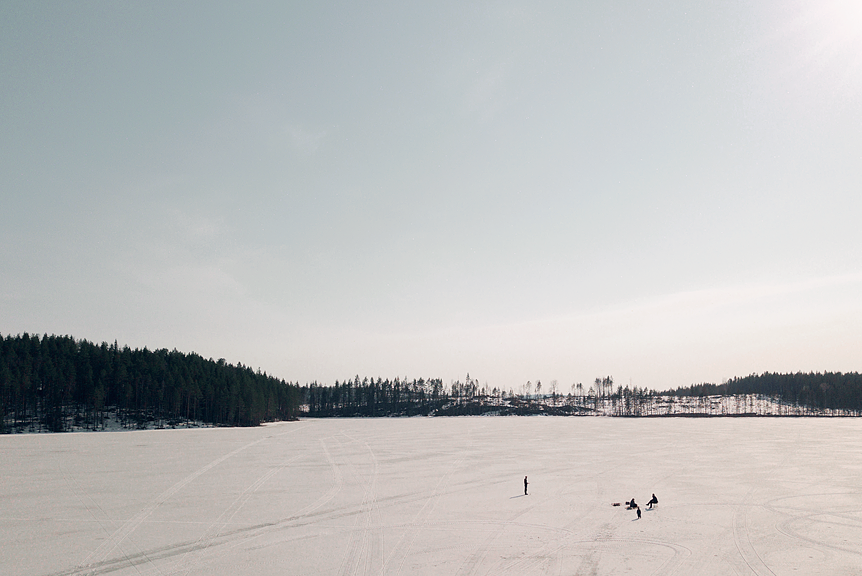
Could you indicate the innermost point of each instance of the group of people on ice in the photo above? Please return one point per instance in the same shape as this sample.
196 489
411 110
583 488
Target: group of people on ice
632 505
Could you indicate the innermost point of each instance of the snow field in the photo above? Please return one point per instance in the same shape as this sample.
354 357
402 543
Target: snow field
400 496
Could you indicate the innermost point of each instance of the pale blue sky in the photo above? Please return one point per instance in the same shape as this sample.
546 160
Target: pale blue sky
665 192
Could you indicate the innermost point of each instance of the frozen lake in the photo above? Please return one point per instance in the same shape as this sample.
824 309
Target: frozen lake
443 496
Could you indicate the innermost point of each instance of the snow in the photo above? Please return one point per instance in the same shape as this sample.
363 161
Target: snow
438 496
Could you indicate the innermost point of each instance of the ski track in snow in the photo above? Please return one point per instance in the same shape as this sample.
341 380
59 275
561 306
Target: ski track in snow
420 520
364 547
97 561
821 517
741 533
216 528
81 495
742 539
103 551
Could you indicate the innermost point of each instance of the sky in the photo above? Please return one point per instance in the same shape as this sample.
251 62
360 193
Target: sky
664 192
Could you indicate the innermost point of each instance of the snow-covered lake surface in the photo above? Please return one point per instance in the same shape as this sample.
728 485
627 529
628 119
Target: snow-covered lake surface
763 496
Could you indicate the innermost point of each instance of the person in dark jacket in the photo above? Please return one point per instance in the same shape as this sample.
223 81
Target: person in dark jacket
652 501
525 485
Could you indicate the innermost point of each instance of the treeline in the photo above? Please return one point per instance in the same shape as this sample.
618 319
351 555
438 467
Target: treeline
370 397
812 394
402 397
55 382
830 390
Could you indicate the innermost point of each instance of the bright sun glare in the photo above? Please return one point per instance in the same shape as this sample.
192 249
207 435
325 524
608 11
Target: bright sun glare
832 33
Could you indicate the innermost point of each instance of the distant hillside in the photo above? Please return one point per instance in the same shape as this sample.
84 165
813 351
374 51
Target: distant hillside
54 382
766 395
830 390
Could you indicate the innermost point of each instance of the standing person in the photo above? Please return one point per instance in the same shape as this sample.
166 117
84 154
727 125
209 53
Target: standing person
525 485
639 512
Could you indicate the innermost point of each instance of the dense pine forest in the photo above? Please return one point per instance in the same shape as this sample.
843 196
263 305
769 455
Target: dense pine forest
56 382
829 390
369 397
